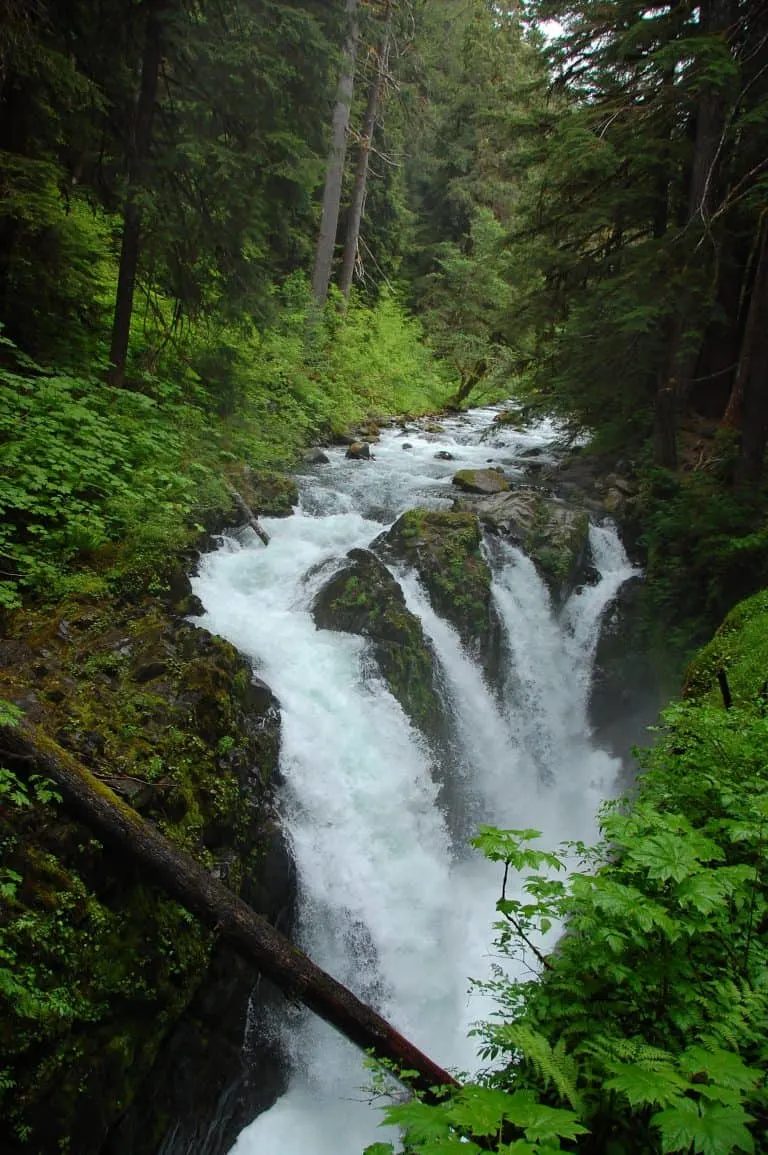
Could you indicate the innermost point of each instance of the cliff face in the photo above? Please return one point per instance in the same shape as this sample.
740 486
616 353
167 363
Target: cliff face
115 1005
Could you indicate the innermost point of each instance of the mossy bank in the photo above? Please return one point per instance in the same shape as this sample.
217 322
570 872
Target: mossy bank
106 987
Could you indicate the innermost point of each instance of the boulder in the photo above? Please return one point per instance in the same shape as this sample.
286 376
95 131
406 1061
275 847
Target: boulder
554 535
267 492
363 598
444 455
510 417
480 481
359 451
316 457
444 548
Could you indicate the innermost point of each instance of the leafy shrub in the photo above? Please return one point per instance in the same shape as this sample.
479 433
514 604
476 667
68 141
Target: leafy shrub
83 465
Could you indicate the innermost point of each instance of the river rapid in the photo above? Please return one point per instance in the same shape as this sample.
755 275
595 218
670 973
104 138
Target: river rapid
392 901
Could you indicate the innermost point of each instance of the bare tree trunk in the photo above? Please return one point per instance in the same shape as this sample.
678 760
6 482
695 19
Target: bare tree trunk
749 398
326 241
682 351
363 160
185 880
138 155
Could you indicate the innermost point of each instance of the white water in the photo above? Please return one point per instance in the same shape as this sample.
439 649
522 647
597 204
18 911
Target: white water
390 902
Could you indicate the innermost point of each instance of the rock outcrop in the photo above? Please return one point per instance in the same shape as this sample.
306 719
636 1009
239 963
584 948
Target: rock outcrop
363 598
628 685
554 535
171 718
445 549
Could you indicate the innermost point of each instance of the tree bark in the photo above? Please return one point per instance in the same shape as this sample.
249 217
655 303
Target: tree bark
186 881
363 160
329 224
683 352
137 163
749 398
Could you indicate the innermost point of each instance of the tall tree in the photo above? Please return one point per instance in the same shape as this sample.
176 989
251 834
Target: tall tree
380 64
138 156
334 177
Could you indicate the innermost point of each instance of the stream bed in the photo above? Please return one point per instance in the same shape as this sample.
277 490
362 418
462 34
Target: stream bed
391 899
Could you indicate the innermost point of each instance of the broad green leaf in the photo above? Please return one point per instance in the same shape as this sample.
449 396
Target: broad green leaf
645 1087
709 1128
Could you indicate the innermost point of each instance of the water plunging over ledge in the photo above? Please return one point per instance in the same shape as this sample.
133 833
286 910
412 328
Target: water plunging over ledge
391 902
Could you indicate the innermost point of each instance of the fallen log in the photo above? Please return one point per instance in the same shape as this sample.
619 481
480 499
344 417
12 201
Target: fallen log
123 829
249 517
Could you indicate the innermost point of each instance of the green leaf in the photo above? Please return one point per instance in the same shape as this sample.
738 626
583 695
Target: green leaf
723 1067
710 1129
674 857
647 1087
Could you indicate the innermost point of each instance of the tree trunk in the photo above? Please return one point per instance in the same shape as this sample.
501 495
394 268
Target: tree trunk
186 881
689 323
363 160
334 176
137 161
749 398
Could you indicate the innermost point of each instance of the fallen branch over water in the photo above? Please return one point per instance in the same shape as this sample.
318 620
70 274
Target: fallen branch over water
248 515
119 825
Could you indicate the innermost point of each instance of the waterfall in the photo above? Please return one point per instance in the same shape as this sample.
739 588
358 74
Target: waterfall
390 902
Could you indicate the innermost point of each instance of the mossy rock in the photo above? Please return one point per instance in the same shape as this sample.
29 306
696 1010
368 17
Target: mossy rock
444 548
485 481
267 492
364 599
168 716
740 650
553 534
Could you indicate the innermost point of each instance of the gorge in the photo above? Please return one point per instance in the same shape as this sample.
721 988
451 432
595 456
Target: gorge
391 899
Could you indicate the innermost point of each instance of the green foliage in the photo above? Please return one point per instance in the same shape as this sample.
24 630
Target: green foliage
707 546
84 465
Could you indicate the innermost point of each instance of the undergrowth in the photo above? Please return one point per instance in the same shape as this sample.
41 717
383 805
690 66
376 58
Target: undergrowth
84 466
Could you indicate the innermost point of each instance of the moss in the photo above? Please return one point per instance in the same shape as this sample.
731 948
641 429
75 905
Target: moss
740 650
365 599
106 962
444 547
267 492
556 546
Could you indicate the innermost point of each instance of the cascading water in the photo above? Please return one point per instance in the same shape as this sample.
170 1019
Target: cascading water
390 902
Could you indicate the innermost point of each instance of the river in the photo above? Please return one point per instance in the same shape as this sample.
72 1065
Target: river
391 900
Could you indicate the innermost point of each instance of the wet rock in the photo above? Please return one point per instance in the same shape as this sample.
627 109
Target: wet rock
267 492
628 682
444 455
511 418
444 548
554 535
407 445
317 457
359 451
482 481
363 598
149 671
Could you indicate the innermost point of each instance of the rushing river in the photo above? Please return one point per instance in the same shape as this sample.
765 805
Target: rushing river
391 900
